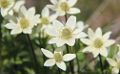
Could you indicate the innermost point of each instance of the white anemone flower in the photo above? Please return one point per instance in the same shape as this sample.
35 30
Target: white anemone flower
97 43
57 58
64 6
5 6
24 23
67 33
115 63
46 17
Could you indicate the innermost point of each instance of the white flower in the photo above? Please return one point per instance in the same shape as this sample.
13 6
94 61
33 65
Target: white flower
5 6
97 43
57 58
67 33
64 6
46 18
115 63
24 23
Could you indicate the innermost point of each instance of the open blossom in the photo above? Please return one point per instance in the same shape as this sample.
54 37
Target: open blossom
46 17
5 6
64 6
24 23
97 43
65 33
57 58
115 62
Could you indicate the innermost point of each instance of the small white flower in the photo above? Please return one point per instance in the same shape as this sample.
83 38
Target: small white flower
5 6
24 23
57 58
97 44
46 18
115 63
64 6
65 34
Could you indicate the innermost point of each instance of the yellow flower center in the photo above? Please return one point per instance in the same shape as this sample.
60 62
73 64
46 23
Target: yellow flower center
4 3
66 33
45 21
58 57
24 23
98 43
64 6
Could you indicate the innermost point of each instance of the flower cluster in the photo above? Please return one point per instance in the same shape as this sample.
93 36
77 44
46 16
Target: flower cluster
60 33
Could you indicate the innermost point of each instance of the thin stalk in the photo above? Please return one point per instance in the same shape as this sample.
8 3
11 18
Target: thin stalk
101 64
70 63
35 62
59 71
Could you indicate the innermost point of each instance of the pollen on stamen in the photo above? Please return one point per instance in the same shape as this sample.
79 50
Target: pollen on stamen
4 3
24 23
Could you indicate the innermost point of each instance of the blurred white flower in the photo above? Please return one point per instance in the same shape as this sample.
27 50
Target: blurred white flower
5 6
24 23
46 18
97 44
115 63
57 58
64 6
65 33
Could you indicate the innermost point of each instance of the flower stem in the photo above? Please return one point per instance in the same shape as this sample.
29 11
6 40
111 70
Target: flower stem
101 64
71 63
35 62
1 20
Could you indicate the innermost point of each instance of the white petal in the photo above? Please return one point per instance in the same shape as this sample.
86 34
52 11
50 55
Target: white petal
3 12
53 40
115 70
71 22
47 53
111 62
49 62
53 17
82 35
73 11
52 7
69 57
90 33
87 49
72 2
23 10
54 1
57 24
30 13
18 5
60 43
16 31
86 41
80 25
109 43
61 65
71 42
10 25
104 52
27 31
95 53
98 32
45 12
107 35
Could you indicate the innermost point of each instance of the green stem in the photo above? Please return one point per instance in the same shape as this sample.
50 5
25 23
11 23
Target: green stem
101 64
35 62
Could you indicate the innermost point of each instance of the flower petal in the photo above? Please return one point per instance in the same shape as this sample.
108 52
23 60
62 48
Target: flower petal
109 42
90 33
10 25
16 31
57 24
27 31
45 12
107 35
54 1
86 41
115 70
71 42
49 62
98 32
104 52
61 65
71 22
47 53
80 26
69 57
73 11
72 2
87 49
111 62
95 52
